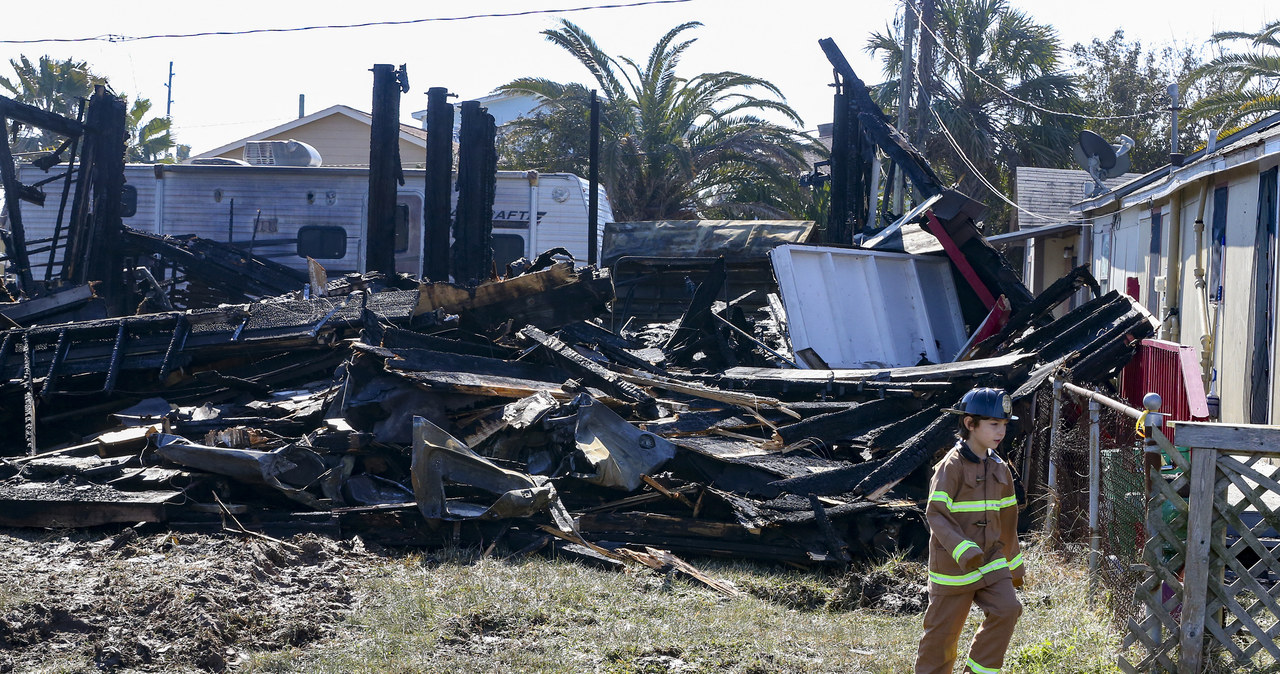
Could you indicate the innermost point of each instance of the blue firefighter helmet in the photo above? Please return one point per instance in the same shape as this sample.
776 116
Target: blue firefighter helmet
992 403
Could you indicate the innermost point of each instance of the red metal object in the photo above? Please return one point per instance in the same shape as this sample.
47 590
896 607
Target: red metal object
960 261
1132 287
993 323
1173 371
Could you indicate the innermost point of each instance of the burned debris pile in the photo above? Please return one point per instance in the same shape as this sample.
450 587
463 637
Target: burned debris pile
500 413
191 384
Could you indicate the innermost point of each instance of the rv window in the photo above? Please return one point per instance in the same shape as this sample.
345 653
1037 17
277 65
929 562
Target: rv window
507 248
1217 243
402 228
322 242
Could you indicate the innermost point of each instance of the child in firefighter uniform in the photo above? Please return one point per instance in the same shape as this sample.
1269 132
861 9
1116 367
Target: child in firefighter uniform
973 542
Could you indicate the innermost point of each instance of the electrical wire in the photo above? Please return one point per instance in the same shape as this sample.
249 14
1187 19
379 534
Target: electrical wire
938 41
405 22
977 174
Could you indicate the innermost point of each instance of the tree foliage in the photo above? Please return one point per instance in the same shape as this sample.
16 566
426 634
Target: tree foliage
1251 78
671 146
51 85
59 86
996 71
1120 78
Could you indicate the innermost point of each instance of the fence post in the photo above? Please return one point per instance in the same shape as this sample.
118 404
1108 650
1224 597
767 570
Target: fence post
1052 525
1195 579
1095 484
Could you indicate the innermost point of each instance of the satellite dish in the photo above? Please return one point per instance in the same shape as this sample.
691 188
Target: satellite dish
1102 159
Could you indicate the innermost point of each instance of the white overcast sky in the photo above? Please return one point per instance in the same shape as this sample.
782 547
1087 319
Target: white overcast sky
227 87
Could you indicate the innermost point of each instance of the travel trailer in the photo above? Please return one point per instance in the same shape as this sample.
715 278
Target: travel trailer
289 213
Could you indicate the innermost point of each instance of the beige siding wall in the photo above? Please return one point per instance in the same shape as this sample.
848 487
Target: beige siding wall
1235 313
341 141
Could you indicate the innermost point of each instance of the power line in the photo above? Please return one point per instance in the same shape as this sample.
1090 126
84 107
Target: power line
938 41
405 22
978 174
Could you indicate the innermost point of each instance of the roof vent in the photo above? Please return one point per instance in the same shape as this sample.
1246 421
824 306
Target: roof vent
280 153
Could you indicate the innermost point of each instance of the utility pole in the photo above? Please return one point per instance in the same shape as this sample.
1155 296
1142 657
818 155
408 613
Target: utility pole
904 93
927 21
168 105
593 182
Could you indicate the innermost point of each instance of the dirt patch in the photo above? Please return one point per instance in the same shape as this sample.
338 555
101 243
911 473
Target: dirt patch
167 602
897 587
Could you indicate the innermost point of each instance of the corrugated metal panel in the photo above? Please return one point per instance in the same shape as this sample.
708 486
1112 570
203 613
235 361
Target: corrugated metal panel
1171 370
861 308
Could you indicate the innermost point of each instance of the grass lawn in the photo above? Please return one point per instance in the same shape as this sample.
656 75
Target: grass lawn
455 612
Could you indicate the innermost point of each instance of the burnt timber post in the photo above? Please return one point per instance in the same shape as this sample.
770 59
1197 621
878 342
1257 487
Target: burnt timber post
477 180
93 239
838 212
32 116
439 170
593 182
16 246
384 168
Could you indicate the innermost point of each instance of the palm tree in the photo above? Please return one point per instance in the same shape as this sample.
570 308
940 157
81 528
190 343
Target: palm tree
1253 78
48 84
147 142
996 73
671 147
58 86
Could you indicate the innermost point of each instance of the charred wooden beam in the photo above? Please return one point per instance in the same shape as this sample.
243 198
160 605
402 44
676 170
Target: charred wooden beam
697 321
547 299
916 452
477 176
593 373
16 248
436 198
1038 311
1097 311
242 276
41 119
385 170
848 423
29 396
835 544
877 126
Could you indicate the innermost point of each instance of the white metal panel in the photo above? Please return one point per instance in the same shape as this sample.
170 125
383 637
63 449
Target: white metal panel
862 308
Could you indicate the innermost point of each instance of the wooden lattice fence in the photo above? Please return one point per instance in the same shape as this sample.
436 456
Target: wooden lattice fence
1210 604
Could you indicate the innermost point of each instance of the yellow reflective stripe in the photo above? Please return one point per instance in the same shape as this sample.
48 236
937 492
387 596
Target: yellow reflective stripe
972 506
979 669
959 551
1000 563
944 579
1016 561
972 576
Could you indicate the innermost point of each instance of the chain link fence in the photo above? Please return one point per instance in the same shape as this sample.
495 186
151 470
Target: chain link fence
1056 475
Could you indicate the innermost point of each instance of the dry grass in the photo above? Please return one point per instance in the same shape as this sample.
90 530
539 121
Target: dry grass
452 612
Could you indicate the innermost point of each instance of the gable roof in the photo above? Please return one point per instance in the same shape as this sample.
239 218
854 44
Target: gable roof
1052 193
408 133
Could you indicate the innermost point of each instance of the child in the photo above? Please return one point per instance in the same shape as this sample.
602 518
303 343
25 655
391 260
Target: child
973 542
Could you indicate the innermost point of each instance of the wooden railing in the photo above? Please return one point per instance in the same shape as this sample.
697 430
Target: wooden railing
1207 603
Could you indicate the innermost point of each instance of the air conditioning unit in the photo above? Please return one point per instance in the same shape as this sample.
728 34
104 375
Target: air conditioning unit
280 153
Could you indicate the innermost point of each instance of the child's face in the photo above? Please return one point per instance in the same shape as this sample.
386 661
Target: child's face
986 433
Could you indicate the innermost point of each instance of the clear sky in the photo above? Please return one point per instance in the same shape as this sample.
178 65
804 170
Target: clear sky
227 87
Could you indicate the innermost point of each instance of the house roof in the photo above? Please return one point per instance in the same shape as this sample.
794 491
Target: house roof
1168 178
408 133
1053 192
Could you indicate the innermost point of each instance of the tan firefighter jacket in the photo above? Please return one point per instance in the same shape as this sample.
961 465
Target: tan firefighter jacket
973 523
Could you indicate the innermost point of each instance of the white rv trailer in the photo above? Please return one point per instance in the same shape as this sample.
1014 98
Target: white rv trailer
288 213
